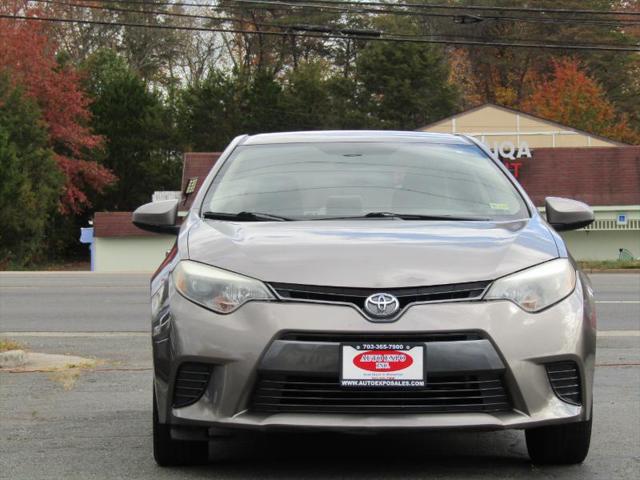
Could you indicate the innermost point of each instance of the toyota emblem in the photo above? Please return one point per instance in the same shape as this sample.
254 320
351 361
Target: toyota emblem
381 305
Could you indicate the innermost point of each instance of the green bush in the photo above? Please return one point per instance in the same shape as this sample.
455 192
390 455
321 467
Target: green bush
30 181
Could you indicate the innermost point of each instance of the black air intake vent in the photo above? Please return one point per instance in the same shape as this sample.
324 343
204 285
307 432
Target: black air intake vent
357 296
565 381
191 382
316 394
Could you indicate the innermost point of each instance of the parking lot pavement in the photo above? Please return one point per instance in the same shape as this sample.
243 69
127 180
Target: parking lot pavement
100 428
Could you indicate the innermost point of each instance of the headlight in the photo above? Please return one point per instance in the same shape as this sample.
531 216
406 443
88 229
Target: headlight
537 287
216 289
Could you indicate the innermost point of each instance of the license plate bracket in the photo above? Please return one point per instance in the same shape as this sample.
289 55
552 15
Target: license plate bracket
382 365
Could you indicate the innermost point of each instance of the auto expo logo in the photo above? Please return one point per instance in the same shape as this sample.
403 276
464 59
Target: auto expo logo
382 361
381 305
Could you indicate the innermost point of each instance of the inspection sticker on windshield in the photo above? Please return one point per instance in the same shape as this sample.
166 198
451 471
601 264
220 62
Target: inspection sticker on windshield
499 206
382 365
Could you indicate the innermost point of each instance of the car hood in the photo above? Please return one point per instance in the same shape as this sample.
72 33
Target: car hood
381 253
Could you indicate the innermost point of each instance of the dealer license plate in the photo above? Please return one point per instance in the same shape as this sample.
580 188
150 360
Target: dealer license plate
382 365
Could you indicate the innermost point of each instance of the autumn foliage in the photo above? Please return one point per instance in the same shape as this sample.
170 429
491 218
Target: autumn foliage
570 97
28 54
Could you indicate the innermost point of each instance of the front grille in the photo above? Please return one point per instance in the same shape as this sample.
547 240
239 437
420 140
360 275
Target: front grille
342 337
357 296
191 382
565 381
443 394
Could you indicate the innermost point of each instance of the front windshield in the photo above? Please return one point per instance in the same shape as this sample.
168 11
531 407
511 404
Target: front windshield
323 180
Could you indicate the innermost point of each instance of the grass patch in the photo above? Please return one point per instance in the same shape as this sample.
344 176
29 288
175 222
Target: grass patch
610 264
82 365
7 344
67 266
70 373
66 378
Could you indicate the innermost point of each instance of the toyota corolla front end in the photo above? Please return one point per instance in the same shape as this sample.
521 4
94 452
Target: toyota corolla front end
367 281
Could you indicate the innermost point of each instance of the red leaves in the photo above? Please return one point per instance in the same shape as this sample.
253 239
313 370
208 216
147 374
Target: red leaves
569 96
81 175
27 52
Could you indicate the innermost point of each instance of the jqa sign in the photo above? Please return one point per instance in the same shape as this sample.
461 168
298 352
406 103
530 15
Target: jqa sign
511 154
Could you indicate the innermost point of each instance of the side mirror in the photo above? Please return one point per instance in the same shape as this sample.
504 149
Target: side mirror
566 214
157 217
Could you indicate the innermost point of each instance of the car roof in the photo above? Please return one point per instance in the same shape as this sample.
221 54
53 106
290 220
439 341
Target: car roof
355 136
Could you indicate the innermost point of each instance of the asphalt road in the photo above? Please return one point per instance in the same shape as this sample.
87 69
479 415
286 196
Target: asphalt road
100 428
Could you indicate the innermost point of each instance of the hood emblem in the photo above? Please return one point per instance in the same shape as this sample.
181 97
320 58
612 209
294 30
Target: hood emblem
381 305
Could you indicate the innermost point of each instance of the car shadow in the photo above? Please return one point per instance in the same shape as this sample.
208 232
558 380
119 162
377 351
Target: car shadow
444 454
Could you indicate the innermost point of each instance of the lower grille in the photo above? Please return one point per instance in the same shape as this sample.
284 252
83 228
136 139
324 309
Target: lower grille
191 382
565 381
309 394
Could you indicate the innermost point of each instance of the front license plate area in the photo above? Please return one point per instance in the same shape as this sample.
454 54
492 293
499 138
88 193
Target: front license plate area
382 365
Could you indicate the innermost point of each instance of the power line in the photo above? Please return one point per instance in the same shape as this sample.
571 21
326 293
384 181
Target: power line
385 38
319 4
384 8
563 11
144 12
289 27
417 9
294 27
316 29
460 18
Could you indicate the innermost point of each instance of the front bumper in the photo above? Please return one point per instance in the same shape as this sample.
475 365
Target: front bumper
247 342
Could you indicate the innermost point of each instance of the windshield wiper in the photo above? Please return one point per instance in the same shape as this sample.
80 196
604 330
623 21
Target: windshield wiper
405 216
246 217
412 216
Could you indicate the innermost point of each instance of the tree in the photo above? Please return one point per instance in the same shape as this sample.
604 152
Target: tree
208 113
137 130
507 76
260 103
273 55
30 183
405 85
306 98
569 96
156 55
28 53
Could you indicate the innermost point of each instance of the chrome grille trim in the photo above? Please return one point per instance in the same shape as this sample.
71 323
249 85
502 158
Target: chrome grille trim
355 296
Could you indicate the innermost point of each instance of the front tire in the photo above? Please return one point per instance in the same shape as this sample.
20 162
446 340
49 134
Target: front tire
559 444
168 452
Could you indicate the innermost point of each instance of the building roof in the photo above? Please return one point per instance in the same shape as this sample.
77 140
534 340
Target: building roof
116 224
352 136
526 118
195 168
597 176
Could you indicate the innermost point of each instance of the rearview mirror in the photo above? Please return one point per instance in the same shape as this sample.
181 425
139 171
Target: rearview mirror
566 214
157 217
